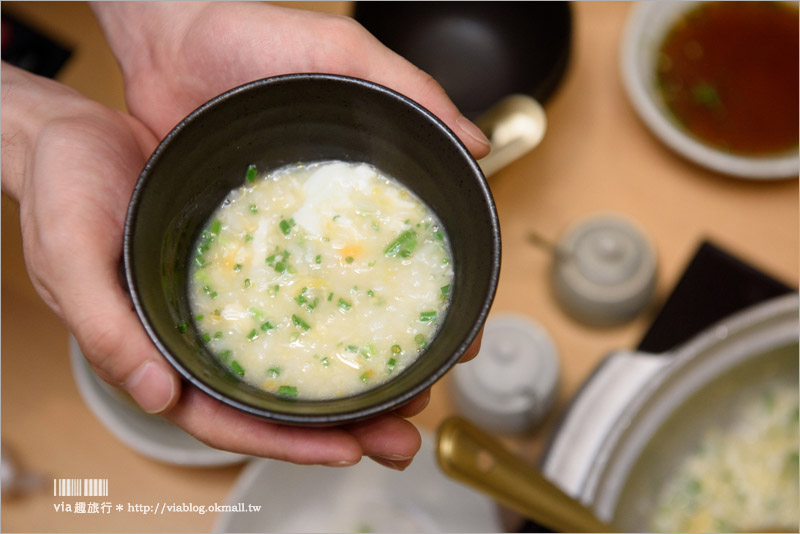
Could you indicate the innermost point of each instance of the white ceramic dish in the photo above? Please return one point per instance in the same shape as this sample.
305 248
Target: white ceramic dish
150 435
364 498
645 30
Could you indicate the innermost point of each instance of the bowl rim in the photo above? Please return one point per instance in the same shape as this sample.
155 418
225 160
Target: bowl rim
646 24
273 413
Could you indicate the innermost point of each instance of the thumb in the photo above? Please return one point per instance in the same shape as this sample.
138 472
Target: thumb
421 87
382 65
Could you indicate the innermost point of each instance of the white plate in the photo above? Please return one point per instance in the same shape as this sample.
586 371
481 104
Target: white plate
363 498
150 435
646 27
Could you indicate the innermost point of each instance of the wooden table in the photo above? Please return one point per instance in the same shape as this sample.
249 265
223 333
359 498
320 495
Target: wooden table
597 156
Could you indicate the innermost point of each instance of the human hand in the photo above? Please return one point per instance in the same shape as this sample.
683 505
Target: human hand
177 55
72 164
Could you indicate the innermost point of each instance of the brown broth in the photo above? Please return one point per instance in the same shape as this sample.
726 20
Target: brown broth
728 71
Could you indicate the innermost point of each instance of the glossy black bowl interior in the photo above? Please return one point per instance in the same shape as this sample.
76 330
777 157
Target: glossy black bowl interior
479 52
304 118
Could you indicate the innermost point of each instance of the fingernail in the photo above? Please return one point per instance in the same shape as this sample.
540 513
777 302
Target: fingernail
341 463
150 387
469 128
392 461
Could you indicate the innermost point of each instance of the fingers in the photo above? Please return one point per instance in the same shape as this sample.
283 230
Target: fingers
389 440
415 405
223 427
473 349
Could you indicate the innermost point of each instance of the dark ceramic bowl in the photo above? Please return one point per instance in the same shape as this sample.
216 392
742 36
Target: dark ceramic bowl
289 119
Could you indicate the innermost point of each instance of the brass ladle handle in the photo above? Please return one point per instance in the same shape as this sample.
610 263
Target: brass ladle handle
468 455
515 125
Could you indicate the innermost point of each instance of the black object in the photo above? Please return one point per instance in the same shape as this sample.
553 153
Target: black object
27 48
714 285
280 121
478 51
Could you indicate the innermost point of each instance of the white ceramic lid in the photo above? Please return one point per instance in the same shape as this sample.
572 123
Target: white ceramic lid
604 270
511 384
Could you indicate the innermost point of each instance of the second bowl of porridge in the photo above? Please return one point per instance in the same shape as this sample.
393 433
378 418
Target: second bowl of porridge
312 249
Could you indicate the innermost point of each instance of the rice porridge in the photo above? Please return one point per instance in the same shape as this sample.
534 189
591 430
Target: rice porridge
320 280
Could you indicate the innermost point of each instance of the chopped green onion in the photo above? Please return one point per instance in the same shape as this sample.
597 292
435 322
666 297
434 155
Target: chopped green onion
280 267
246 282
325 361
390 365
182 327
706 95
217 335
351 348
427 316
253 208
267 326
349 259
330 296
365 377
198 317
215 227
255 313
298 321
274 372
206 337
445 290
252 173
419 339
301 297
344 305
224 355
253 334
286 226
403 245
237 267
318 259
247 237
287 391
396 349
236 368
371 293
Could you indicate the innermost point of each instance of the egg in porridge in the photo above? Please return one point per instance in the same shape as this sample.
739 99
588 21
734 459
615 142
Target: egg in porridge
320 280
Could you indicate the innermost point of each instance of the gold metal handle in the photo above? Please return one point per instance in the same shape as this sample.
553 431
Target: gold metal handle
514 126
467 454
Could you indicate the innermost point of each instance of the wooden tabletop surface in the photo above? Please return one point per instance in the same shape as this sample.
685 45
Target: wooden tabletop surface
597 156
